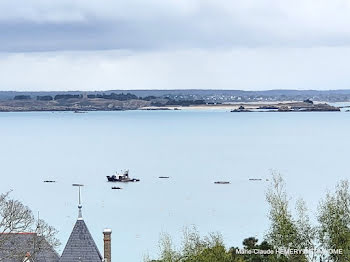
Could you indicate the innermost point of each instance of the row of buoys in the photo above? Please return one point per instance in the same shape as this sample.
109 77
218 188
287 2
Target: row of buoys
227 182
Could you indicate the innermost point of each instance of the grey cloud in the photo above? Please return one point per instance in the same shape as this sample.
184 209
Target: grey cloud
160 44
239 68
97 35
91 25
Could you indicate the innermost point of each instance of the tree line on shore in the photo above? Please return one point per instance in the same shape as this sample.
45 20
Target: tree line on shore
155 101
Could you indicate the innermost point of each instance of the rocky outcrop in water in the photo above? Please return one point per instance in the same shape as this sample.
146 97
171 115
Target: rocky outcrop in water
308 107
305 106
241 109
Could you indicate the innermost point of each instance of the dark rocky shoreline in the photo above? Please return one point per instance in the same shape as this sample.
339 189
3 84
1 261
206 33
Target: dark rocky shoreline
305 106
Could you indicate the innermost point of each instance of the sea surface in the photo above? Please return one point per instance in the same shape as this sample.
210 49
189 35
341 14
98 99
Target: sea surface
193 147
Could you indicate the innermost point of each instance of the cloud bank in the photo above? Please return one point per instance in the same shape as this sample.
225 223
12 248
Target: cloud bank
241 44
243 68
41 25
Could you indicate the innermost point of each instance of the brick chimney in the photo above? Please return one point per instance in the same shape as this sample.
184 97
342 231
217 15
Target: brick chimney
107 245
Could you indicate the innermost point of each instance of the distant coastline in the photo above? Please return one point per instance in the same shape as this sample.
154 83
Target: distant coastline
214 95
90 106
233 100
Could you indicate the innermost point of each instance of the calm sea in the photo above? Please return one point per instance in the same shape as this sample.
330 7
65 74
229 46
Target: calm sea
193 148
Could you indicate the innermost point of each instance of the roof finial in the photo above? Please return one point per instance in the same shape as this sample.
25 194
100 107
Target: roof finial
80 216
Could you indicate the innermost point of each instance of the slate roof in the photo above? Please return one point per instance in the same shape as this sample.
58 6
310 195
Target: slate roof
14 247
80 245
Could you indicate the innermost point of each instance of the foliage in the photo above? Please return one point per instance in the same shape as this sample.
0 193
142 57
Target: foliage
194 248
251 243
283 230
307 234
22 97
211 248
172 102
334 219
14 216
67 96
44 98
114 96
287 230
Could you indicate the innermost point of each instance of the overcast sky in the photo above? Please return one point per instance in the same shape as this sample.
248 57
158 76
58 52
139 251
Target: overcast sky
174 44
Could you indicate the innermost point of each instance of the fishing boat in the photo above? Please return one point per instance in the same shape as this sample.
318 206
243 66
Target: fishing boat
124 177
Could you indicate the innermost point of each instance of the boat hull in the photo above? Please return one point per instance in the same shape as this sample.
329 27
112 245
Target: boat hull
114 179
